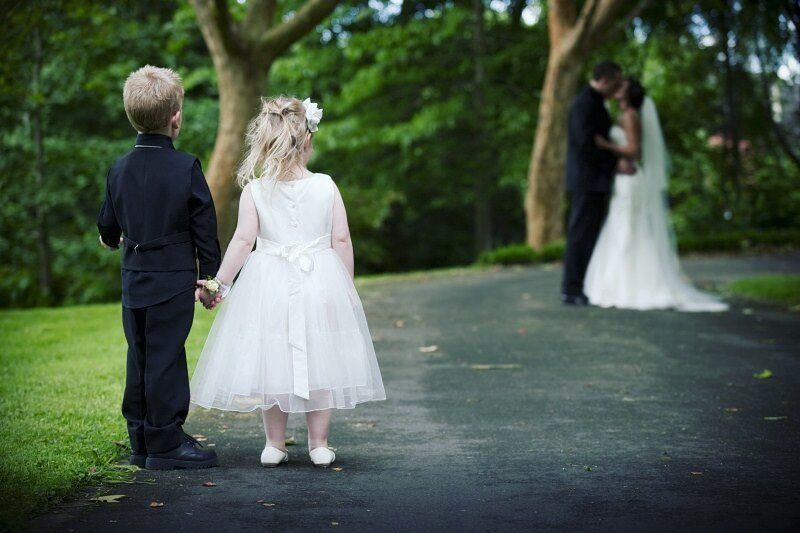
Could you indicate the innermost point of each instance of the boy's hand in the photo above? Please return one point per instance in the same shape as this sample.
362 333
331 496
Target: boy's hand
107 247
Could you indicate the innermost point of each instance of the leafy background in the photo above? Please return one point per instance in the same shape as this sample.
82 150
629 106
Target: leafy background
399 132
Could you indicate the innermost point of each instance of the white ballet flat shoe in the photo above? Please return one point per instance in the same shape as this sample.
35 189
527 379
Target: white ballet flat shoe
272 457
322 457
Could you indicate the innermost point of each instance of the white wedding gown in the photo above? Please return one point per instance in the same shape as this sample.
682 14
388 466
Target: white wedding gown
292 330
635 264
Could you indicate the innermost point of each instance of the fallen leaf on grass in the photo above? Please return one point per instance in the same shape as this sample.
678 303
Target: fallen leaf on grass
156 504
337 469
399 323
428 349
200 438
268 504
773 418
498 366
209 484
290 441
764 374
111 498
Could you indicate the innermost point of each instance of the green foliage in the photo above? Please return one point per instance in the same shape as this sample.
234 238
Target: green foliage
777 289
403 134
522 254
54 435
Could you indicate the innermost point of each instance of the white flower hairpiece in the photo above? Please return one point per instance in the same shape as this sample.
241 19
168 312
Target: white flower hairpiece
313 115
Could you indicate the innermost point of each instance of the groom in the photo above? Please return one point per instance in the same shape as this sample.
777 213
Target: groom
590 173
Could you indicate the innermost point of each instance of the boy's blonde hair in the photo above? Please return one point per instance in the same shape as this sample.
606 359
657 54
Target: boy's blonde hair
277 141
152 95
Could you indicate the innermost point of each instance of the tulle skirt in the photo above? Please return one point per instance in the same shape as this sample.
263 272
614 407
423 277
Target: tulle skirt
634 264
248 361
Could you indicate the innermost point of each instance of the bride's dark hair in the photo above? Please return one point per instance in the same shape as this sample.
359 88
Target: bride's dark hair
634 93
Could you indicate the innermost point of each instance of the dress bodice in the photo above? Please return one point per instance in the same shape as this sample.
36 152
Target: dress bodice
617 135
294 211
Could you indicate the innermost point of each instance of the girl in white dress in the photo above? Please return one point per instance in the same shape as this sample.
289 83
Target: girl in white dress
291 335
635 264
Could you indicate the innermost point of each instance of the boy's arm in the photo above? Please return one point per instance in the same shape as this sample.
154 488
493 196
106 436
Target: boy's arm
203 224
107 223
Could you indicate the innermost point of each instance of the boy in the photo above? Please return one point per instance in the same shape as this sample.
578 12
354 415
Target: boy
159 207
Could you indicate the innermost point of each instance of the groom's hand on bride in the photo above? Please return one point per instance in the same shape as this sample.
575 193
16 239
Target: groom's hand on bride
625 166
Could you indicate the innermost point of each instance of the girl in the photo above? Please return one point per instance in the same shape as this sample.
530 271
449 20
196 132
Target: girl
291 336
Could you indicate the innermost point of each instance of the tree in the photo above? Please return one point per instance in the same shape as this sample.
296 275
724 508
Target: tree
573 35
243 52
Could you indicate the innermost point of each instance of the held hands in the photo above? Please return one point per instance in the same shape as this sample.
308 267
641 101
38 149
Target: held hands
208 297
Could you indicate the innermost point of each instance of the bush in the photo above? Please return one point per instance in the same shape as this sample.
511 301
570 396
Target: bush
522 254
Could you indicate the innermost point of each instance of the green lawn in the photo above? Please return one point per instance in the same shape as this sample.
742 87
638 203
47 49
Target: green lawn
781 289
61 381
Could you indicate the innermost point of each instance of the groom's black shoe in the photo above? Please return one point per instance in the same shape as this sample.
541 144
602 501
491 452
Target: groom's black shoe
138 459
188 455
574 299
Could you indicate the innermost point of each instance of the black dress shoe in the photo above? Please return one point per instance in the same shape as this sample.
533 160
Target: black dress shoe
188 455
574 299
138 459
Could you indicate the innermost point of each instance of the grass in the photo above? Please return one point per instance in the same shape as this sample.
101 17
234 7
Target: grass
61 381
781 289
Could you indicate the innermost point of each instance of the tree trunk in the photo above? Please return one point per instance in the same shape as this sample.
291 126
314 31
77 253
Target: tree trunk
239 92
42 226
544 199
483 179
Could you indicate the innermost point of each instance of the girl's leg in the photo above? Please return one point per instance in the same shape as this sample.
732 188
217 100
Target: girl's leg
275 427
319 423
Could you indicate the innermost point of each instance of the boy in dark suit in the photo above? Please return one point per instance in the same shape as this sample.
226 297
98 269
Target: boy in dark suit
590 175
159 208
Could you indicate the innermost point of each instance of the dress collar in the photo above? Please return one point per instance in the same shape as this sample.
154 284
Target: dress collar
153 140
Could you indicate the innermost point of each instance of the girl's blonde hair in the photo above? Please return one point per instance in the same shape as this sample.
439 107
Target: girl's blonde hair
277 141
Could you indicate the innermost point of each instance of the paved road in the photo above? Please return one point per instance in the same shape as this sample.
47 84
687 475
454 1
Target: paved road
601 420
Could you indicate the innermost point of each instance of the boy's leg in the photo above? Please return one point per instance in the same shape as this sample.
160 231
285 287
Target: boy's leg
133 403
166 376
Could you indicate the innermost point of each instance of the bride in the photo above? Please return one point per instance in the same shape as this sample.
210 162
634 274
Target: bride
635 264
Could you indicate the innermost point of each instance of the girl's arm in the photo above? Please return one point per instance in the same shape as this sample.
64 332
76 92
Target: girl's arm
340 234
632 126
242 242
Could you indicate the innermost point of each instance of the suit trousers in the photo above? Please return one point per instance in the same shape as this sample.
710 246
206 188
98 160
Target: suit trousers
586 215
156 399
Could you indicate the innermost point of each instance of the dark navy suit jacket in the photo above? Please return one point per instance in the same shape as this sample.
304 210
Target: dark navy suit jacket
589 168
158 198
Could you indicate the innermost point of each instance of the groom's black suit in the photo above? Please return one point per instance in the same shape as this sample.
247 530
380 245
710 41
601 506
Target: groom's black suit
158 198
590 175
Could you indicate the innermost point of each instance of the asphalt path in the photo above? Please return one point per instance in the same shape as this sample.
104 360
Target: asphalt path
526 416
